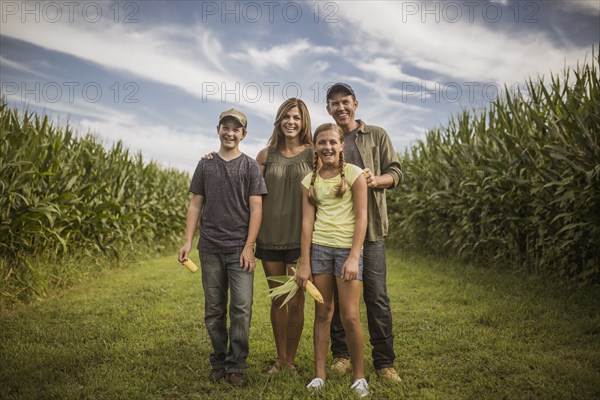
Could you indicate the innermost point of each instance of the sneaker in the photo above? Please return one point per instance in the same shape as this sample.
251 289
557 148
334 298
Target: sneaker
236 379
389 374
341 365
217 374
360 387
315 384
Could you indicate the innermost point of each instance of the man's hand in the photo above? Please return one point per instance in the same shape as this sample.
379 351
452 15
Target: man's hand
382 181
371 179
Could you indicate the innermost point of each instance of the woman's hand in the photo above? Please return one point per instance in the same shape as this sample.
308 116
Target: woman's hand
208 156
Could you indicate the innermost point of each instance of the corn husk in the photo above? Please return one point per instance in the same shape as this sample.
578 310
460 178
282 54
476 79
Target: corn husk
290 287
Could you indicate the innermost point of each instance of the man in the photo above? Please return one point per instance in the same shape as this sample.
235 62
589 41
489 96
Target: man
370 148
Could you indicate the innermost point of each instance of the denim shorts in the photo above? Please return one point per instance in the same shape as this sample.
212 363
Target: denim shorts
330 260
288 256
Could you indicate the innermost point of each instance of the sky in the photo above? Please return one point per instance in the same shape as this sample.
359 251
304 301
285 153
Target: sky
156 74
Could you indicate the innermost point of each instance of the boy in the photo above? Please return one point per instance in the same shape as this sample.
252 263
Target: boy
227 199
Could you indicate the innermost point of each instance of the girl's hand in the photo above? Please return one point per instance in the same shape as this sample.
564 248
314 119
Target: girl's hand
303 274
350 269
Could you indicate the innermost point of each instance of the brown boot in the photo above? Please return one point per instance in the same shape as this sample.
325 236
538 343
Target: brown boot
341 365
236 379
217 374
389 374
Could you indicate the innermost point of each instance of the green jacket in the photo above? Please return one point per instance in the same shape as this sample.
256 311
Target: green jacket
376 150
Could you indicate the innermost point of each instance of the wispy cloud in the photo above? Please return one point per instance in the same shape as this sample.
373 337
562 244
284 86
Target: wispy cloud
282 55
590 7
21 67
465 50
156 54
376 46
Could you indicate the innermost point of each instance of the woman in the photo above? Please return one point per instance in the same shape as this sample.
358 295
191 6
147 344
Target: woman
284 162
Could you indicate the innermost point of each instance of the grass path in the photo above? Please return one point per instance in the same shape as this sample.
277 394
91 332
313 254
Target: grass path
461 333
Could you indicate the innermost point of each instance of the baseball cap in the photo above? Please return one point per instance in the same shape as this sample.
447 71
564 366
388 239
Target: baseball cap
235 114
340 86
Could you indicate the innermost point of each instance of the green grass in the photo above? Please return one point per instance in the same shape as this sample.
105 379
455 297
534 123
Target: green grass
460 333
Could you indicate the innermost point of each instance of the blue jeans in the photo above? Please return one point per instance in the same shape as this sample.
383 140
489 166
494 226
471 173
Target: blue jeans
220 272
379 312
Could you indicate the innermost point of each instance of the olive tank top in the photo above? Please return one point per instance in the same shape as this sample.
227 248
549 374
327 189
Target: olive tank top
282 206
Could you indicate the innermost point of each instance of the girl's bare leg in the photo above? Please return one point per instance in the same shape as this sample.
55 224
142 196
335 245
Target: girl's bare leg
323 314
349 298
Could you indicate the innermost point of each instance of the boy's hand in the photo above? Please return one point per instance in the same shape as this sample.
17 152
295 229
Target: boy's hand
350 269
184 252
247 261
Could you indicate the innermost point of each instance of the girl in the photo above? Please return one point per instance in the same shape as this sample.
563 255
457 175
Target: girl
288 158
334 224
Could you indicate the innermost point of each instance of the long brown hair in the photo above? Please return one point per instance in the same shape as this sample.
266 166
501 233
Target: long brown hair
343 185
277 138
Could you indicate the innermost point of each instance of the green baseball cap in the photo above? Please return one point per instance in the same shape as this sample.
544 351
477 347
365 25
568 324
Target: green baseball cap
235 114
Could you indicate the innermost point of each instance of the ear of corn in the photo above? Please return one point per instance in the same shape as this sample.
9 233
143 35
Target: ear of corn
290 287
314 292
189 264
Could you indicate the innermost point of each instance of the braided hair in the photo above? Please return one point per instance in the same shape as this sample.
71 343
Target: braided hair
312 193
343 185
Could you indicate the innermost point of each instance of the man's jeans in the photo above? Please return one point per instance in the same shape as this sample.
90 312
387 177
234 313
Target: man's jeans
379 313
220 272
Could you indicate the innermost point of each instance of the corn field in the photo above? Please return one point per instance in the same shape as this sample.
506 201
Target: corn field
62 195
515 185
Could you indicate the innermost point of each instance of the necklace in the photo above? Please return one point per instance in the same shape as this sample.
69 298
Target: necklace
328 174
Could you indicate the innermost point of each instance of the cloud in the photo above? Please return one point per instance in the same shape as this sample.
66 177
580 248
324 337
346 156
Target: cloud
388 69
590 7
464 50
21 67
164 54
282 56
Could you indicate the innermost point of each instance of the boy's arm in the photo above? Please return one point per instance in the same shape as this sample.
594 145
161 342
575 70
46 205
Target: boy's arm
308 222
359 200
247 261
193 215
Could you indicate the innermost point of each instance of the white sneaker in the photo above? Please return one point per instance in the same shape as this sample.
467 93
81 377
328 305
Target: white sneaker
360 387
315 384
